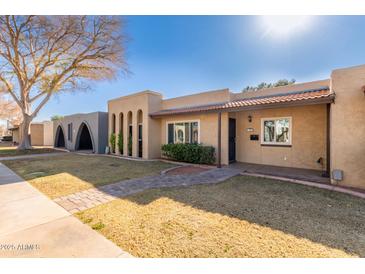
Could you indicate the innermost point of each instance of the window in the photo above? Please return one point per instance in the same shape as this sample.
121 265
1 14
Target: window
183 132
276 131
69 132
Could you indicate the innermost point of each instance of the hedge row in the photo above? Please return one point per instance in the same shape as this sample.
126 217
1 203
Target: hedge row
191 153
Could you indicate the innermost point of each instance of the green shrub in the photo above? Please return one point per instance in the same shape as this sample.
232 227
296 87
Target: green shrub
112 142
130 145
191 153
120 142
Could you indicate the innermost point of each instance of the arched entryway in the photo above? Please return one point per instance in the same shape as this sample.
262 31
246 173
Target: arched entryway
130 133
60 138
84 139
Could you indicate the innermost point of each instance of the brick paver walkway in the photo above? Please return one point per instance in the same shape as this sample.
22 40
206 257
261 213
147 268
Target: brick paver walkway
92 197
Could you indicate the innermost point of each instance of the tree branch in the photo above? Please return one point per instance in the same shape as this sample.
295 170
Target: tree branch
41 104
10 91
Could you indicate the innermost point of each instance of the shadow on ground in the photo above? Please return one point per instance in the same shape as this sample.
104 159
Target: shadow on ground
334 219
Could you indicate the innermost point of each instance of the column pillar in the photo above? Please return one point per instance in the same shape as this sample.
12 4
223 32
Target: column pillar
125 134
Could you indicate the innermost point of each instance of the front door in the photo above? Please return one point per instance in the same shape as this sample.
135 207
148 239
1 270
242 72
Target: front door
232 140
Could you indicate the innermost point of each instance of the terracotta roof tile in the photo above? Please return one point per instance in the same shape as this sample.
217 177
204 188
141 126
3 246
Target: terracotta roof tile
311 96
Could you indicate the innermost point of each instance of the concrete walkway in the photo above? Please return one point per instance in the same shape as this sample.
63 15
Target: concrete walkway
32 225
95 196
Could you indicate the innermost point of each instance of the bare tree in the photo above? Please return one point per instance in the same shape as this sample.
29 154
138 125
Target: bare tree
44 55
9 110
3 130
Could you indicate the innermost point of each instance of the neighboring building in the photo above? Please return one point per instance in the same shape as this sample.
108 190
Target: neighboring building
85 131
316 125
40 133
48 139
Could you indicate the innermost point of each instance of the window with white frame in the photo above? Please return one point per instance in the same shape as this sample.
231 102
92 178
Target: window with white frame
276 131
183 132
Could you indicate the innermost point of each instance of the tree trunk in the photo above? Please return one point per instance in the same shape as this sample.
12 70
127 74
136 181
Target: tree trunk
24 133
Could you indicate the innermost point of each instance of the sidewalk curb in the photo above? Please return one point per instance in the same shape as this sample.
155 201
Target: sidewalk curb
308 183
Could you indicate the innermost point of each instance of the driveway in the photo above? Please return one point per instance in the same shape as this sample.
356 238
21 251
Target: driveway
32 225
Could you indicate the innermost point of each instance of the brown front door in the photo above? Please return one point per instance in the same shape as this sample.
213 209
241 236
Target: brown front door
232 140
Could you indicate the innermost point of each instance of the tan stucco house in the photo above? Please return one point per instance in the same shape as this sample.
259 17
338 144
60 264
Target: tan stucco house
316 125
41 133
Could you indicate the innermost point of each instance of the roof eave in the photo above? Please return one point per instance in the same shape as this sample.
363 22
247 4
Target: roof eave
316 101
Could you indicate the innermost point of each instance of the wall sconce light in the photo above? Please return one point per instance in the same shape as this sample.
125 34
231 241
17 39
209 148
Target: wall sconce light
249 118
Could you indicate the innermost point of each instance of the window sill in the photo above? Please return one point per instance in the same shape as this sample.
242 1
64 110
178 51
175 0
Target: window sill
274 145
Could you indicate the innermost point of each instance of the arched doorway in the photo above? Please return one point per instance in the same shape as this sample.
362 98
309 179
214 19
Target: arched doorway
113 123
84 140
130 133
60 138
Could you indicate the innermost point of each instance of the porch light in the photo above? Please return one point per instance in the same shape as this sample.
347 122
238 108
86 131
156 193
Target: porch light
249 118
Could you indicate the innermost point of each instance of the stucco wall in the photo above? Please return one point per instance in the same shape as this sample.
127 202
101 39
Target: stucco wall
102 132
308 137
16 136
93 121
48 138
283 89
210 97
348 126
154 128
208 130
36 133
147 102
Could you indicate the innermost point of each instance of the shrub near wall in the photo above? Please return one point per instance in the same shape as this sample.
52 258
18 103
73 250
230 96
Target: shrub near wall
120 143
191 153
112 142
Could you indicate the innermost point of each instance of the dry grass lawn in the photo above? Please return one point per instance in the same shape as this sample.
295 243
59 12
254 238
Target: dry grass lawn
7 150
70 173
242 217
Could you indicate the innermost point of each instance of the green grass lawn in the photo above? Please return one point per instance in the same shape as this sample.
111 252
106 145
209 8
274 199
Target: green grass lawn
70 173
242 217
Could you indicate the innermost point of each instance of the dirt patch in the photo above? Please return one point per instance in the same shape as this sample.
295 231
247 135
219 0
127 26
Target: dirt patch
186 170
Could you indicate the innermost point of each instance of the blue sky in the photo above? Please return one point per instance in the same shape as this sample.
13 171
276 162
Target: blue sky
179 55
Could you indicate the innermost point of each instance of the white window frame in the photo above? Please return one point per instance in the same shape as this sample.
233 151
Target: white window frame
276 143
180 121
